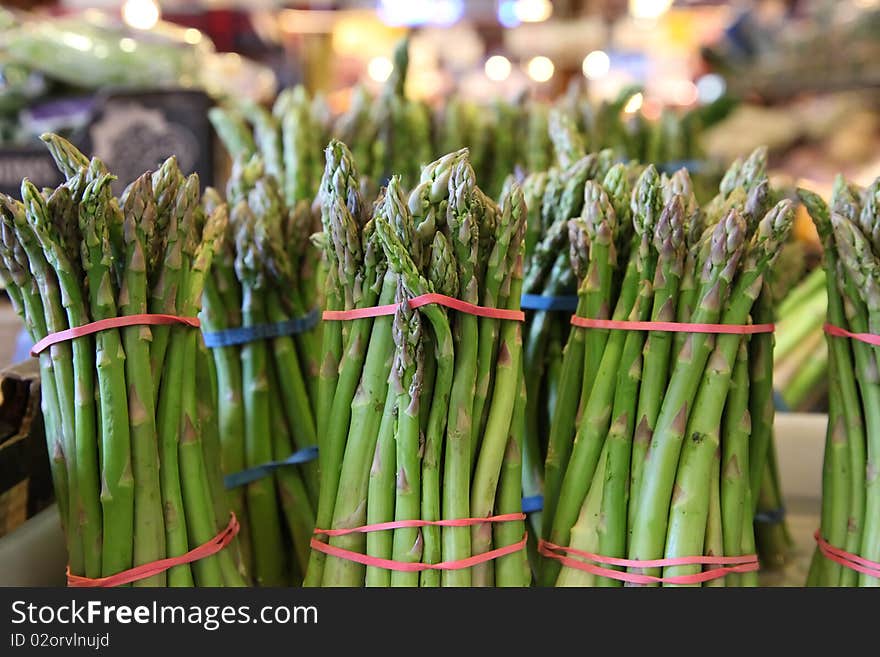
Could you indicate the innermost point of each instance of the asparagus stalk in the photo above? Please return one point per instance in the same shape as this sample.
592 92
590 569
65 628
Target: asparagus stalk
117 494
149 526
266 536
406 381
457 468
508 369
443 277
735 459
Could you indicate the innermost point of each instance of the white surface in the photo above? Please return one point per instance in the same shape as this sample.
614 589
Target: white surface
34 554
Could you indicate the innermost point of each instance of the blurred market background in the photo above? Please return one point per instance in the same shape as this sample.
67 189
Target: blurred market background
682 82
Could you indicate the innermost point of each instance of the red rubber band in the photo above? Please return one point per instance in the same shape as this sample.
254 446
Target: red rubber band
146 570
111 323
847 559
672 327
839 332
424 300
740 564
390 564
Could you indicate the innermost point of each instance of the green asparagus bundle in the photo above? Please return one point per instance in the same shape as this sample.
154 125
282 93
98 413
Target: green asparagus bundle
850 518
130 436
621 481
261 292
423 410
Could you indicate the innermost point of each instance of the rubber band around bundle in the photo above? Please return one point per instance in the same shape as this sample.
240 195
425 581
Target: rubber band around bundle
847 559
402 566
244 334
771 516
533 503
836 331
257 472
424 300
726 565
565 303
152 319
152 568
672 327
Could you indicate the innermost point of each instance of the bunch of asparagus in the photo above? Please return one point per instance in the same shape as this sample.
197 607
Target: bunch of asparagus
270 272
850 483
421 414
128 411
621 479
267 386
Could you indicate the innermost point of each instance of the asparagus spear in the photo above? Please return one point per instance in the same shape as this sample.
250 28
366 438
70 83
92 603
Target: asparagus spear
406 381
735 459
457 468
117 494
169 281
201 522
508 370
149 526
266 537
443 277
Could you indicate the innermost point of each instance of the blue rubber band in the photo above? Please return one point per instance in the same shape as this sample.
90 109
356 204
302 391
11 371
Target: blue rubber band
693 166
566 303
533 503
245 334
771 516
243 477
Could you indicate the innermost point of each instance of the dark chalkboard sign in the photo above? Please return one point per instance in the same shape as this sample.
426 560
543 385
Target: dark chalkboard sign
132 132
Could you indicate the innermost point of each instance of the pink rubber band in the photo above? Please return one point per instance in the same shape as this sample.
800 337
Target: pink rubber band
740 564
672 327
111 323
390 564
839 332
146 570
847 559
424 300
